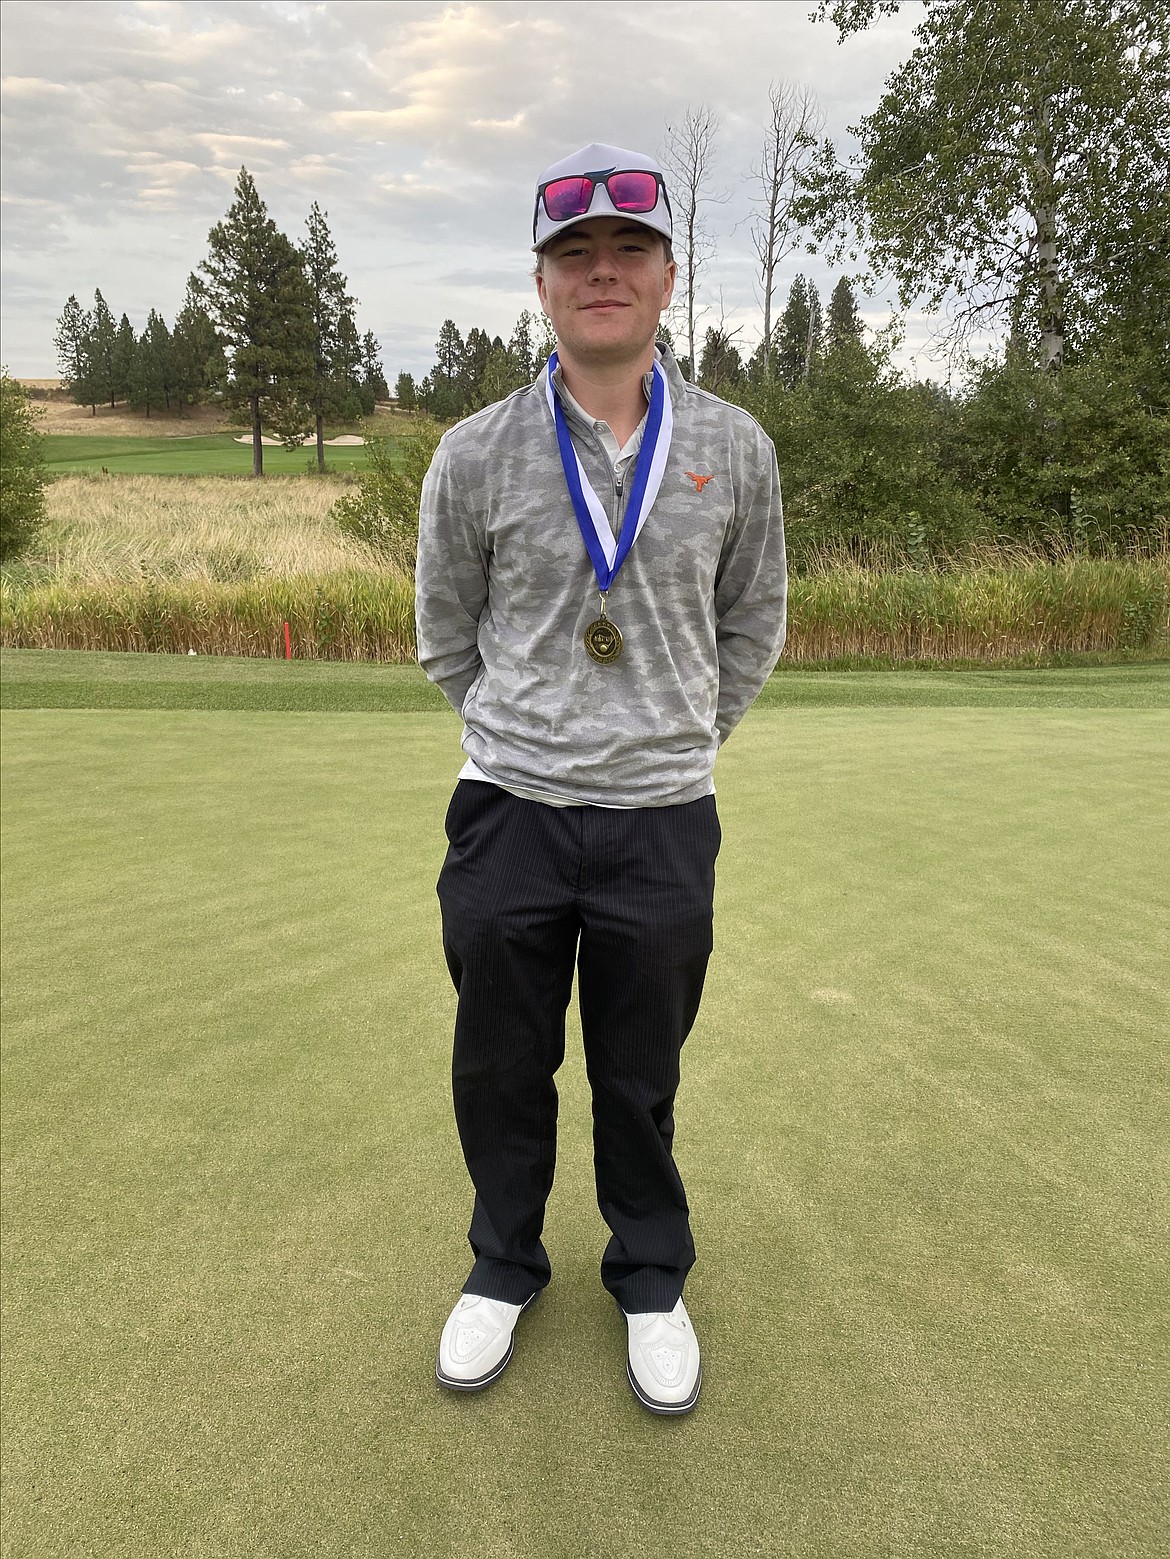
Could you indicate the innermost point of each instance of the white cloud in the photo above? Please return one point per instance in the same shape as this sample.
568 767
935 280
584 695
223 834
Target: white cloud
229 146
31 87
420 126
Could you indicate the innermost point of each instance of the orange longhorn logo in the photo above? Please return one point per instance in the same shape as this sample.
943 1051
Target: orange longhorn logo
699 481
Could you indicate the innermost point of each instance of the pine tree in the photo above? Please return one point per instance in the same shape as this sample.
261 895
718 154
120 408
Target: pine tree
327 289
449 350
447 389
103 347
124 342
150 368
762 365
799 334
844 321
196 360
476 351
405 392
721 366
347 368
73 340
253 283
522 345
373 374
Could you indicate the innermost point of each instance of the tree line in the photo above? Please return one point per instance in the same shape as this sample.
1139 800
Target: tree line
267 326
475 370
877 468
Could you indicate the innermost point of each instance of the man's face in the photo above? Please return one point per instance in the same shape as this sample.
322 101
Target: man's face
604 285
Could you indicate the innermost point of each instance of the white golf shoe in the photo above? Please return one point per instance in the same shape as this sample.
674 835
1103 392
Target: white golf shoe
477 1342
663 1364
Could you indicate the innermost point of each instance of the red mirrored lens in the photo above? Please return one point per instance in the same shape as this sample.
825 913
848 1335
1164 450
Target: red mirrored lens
632 191
567 198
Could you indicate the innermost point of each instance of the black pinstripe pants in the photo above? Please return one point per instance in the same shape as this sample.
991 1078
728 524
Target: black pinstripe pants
528 891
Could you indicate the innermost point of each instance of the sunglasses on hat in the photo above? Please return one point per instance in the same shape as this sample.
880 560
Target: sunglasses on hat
633 191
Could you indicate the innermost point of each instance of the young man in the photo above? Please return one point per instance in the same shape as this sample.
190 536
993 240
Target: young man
601 591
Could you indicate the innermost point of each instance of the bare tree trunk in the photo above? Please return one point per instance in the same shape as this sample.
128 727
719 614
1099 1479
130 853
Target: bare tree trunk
257 436
687 158
1048 276
810 337
1047 261
320 444
793 126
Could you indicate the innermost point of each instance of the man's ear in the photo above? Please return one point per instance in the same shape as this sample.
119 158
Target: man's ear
540 291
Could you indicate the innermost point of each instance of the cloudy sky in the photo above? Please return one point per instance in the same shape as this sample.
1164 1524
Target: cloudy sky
419 127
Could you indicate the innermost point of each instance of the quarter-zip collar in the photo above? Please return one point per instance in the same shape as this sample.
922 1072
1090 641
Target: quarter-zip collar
580 421
621 461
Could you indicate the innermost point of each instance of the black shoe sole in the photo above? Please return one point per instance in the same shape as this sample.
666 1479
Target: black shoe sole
482 1382
664 1409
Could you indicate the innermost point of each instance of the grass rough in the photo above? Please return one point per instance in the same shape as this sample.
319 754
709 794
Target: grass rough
1041 611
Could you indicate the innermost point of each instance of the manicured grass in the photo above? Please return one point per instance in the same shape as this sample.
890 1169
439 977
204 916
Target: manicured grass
921 1125
215 454
92 679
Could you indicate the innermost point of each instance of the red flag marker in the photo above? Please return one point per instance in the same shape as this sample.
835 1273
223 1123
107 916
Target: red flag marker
287 643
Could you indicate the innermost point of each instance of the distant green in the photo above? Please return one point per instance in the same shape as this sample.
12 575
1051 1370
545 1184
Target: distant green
92 679
923 1126
215 454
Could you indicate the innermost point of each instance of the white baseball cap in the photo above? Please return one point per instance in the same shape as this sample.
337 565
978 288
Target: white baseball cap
601 181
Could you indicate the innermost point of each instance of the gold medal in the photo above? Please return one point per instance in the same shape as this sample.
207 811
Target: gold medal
603 639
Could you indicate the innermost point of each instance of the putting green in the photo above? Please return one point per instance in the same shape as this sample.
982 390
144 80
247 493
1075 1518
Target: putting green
921 1129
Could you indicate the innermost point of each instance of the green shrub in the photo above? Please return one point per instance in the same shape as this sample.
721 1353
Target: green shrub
861 463
384 511
22 481
1080 458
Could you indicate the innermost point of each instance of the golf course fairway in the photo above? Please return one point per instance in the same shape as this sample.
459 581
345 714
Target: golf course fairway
923 1127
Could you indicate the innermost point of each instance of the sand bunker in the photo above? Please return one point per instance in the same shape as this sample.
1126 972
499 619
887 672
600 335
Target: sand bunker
306 438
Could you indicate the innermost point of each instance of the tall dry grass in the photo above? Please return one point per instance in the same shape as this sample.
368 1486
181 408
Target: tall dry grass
985 613
339 616
114 530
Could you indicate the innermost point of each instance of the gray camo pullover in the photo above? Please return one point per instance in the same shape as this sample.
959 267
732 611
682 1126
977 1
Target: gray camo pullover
505 590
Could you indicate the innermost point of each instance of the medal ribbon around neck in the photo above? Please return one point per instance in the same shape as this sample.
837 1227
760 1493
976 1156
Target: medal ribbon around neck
607 553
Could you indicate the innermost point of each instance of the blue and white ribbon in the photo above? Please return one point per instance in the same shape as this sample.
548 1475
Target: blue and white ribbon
606 552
